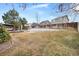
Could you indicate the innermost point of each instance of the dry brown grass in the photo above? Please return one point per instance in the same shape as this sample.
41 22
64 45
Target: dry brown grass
46 43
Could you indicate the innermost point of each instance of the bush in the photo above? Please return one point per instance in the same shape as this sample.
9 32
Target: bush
4 35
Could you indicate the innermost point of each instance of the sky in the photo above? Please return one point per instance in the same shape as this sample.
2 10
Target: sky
45 11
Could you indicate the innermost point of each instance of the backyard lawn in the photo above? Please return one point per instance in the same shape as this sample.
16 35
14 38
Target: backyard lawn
56 43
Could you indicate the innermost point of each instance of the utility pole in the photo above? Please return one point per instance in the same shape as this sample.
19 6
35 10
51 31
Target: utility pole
37 18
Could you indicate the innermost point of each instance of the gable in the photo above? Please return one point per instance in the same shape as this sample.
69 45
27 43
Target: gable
63 19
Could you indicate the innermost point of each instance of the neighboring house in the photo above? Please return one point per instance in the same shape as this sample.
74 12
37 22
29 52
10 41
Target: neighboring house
63 19
27 26
41 24
44 23
9 27
55 23
35 25
59 23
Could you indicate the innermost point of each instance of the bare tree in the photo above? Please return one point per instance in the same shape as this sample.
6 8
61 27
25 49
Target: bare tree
72 8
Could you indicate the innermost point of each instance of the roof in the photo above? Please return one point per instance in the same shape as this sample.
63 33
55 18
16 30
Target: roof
63 19
45 22
7 24
34 24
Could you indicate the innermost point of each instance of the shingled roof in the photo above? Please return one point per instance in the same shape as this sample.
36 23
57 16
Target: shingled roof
63 19
45 22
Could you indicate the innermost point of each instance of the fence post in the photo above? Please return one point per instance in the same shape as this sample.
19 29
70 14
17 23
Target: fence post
78 26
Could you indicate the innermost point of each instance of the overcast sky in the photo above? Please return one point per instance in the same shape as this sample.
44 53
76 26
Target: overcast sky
44 11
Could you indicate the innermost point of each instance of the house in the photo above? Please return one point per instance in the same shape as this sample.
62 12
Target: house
28 26
9 27
35 25
62 19
45 24
55 23
60 23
